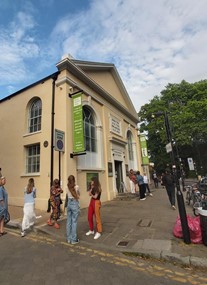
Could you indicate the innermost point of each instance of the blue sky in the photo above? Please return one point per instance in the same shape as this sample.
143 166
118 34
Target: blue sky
152 43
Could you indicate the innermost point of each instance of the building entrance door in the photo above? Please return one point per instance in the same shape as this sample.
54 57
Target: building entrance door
119 175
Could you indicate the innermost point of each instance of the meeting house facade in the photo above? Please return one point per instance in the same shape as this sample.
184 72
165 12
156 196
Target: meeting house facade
80 121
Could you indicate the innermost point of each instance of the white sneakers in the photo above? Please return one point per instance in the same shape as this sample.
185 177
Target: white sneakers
38 217
90 233
97 235
22 233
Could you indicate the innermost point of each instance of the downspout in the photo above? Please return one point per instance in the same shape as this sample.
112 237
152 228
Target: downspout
54 77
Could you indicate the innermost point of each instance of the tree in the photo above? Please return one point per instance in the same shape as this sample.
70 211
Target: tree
186 106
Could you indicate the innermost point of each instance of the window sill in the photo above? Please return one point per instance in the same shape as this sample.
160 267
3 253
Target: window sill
33 174
30 134
91 169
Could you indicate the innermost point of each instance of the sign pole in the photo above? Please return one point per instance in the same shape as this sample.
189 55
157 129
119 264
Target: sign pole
59 166
180 200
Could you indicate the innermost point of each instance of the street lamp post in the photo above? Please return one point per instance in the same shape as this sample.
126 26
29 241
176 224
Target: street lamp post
180 200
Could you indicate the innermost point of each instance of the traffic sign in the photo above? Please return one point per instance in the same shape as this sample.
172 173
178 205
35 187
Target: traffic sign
168 147
59 140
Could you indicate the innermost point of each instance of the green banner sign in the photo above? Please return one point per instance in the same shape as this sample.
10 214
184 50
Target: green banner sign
78 131
143 143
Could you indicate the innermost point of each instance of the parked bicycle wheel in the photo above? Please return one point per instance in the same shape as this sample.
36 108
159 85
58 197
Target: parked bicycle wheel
197 197
196 207
188 197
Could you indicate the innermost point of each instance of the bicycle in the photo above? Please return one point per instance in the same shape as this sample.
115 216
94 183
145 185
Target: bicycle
191 193
200 202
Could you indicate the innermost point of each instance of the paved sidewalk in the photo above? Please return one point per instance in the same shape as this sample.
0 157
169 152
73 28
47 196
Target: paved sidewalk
129 225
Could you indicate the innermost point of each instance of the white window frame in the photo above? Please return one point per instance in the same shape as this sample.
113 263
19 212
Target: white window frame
130 145
90 139
33 158
35 116
93 159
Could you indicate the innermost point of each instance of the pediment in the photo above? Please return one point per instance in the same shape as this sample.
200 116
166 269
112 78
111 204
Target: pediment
103 76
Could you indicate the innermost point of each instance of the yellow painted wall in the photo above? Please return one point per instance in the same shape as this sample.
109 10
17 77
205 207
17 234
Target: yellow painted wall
14 136
106 80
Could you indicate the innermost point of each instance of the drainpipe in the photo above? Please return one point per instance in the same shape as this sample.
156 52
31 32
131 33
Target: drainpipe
54 77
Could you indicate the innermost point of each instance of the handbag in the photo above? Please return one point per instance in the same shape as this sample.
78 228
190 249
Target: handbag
66 201
7 218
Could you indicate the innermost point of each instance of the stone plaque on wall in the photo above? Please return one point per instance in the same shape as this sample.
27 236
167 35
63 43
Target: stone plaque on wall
115 126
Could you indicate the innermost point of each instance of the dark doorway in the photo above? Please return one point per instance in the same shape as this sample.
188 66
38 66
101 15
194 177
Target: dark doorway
119 176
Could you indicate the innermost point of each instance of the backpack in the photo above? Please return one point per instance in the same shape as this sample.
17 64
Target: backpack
168 179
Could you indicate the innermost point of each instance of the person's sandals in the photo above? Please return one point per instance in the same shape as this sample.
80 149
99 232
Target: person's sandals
56 226
2 234
49 223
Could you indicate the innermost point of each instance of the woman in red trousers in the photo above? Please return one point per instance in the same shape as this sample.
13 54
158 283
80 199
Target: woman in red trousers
94 208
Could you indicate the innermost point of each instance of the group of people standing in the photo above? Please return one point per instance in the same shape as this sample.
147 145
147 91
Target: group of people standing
72 204
167 181
29 216
135 178
73 207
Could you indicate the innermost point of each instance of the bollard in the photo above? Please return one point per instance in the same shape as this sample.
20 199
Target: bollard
203 223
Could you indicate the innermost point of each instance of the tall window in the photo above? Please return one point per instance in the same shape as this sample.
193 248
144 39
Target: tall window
93 141
33 158
35 116
89 130
130 146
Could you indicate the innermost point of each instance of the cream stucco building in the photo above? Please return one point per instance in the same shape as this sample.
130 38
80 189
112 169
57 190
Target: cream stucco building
34 118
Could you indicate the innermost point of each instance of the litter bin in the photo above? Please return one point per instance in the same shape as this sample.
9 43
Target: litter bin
203 220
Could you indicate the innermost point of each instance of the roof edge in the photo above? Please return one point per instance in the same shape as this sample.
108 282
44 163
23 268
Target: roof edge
51 76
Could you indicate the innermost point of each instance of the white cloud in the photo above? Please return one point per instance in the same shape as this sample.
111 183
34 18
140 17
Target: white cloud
16 47
152 43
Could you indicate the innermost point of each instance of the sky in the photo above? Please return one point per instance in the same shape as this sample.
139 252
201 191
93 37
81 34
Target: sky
151 43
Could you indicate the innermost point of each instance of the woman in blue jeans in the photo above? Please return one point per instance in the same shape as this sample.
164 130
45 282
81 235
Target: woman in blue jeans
142 188
73 210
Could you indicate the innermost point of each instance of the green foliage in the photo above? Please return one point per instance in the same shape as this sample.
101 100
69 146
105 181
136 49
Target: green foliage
186 108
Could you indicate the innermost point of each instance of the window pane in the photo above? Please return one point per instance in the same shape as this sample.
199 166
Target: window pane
35 116
130 146
93 145
89 130
93 132
87 144
86 129
33 159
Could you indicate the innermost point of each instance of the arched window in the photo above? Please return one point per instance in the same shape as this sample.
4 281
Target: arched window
93 141
130 145
35 116
89 130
